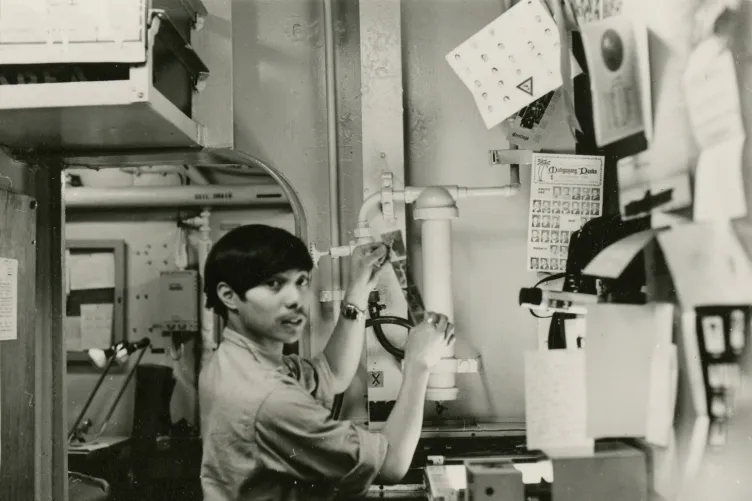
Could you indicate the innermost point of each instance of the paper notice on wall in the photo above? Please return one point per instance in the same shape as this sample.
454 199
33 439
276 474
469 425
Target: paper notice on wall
8 299
587 11
555 401
643 190
96 325
91 270
614 70
542 125
714 109
566 192
72 333
511 62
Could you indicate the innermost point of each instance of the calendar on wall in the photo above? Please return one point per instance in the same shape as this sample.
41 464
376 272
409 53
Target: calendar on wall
512 62
566 191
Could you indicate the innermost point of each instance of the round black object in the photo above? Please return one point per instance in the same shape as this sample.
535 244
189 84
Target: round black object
612 50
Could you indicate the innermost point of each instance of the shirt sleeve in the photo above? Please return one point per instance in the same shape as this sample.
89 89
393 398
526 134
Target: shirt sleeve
296 437
315 376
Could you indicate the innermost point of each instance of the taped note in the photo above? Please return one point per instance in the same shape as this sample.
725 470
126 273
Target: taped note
555 402
511 62
8 299
96 325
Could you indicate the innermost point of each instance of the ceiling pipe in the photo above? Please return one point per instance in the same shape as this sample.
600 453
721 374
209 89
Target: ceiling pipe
246 195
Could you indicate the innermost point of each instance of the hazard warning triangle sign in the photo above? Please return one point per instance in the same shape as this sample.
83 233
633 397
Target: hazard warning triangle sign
526 86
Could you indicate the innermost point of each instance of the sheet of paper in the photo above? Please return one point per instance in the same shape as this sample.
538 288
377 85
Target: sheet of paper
643 190
587 11
92 270
8 299
511 62
96 325
714 108
708 264
611 52
664 378
566 192
542 125
619 350
72 334
719 186
612 260
555 406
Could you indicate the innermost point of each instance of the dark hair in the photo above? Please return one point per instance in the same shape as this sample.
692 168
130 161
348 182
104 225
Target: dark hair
248 255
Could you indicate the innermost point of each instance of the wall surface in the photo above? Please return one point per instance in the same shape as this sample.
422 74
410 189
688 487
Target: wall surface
447 143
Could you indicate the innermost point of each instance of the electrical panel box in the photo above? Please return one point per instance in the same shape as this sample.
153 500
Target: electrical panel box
178 301
100 75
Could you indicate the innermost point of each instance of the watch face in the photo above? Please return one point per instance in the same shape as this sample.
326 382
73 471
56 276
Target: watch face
350 312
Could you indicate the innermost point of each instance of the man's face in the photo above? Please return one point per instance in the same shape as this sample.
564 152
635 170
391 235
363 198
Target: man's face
276 310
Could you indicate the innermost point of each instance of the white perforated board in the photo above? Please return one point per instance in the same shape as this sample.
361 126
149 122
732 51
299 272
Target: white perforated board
511 62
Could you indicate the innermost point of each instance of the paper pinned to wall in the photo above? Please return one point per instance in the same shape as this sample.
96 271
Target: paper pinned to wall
566 192
8 299
96 325
714 108
555 402
708 264
645 190
611 52
92 270
542 125
511 62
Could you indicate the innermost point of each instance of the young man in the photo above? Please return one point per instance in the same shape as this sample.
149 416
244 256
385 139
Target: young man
266 429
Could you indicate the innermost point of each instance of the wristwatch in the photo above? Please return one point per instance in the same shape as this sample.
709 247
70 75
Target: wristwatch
351 312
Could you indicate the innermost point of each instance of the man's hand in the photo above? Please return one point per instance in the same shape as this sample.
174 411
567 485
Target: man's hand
429 340
366 262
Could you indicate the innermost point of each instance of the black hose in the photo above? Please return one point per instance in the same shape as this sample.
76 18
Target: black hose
376 322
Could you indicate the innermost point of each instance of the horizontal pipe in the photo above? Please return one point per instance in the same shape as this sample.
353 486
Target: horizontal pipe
176 196
411 193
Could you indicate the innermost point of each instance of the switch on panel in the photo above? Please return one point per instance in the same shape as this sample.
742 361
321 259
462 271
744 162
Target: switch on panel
178 301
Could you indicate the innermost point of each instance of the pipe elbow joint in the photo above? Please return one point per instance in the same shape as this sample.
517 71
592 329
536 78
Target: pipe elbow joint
435 202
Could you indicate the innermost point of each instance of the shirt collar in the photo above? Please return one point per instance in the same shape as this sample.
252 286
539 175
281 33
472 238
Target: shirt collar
262 355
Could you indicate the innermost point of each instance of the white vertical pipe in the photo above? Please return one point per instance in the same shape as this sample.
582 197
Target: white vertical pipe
331 115
436 208
208 338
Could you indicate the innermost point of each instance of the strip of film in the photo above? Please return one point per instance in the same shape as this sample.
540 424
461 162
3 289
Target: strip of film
398 257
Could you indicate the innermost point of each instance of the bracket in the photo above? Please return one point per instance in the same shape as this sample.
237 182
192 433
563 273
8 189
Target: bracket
510 157
387 197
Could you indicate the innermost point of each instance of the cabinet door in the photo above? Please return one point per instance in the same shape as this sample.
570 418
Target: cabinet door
18 439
